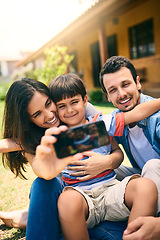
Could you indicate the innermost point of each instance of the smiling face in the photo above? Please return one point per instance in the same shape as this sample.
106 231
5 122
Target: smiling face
43 111
71 110
122 90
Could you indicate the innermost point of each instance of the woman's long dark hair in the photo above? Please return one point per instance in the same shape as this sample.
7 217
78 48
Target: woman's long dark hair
17 123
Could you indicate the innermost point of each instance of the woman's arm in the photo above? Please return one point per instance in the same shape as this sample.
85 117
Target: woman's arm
45 163
97 163
142 111
8 145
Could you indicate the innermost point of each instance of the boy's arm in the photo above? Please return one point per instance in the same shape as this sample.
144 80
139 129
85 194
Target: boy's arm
141 111
8 145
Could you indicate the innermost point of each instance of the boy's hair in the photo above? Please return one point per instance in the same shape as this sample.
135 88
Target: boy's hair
114 64
68 85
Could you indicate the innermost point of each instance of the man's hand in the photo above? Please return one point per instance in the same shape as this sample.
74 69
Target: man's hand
143 228
96 163
92 166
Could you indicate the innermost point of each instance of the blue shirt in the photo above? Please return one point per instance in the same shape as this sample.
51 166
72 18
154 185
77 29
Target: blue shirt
151 129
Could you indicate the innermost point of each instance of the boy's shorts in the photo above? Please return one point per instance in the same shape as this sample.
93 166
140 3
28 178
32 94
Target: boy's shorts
106 202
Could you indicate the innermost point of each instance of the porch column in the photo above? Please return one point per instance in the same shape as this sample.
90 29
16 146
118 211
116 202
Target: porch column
102 42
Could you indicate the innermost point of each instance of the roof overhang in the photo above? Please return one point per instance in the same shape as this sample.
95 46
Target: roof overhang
103 8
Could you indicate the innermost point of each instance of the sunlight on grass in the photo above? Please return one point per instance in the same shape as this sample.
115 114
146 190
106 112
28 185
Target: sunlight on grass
105 107
14 191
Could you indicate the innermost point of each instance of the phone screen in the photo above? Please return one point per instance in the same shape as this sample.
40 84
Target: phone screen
81 138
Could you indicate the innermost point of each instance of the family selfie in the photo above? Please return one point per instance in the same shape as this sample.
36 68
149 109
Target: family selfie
83 114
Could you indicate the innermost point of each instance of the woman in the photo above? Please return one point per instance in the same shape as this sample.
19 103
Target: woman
23 128
28 112
22 124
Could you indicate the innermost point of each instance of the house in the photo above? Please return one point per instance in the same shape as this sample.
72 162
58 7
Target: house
7 65
129 28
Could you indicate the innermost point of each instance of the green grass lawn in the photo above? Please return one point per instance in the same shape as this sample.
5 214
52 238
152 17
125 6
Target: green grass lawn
14 192
1 112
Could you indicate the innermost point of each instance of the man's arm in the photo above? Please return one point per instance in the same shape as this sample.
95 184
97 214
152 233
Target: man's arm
141 111
45 163
147 228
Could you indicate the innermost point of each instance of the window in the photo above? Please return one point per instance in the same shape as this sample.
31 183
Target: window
73 65
142 40
112 45
96 63
95 55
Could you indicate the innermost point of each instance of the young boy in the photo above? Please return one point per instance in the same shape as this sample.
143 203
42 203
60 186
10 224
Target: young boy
85 203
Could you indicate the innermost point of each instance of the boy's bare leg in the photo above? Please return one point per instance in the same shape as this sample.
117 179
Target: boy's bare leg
16 219
73 211
141 197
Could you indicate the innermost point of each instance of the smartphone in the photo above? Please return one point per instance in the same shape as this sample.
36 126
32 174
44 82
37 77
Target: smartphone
81 138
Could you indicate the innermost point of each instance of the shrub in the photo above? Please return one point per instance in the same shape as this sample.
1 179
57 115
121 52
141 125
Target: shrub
3 90
96 96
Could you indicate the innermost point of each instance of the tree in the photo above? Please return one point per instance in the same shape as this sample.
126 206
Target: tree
24 72
56 63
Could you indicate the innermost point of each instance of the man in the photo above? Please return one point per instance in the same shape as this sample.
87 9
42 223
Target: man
141 141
